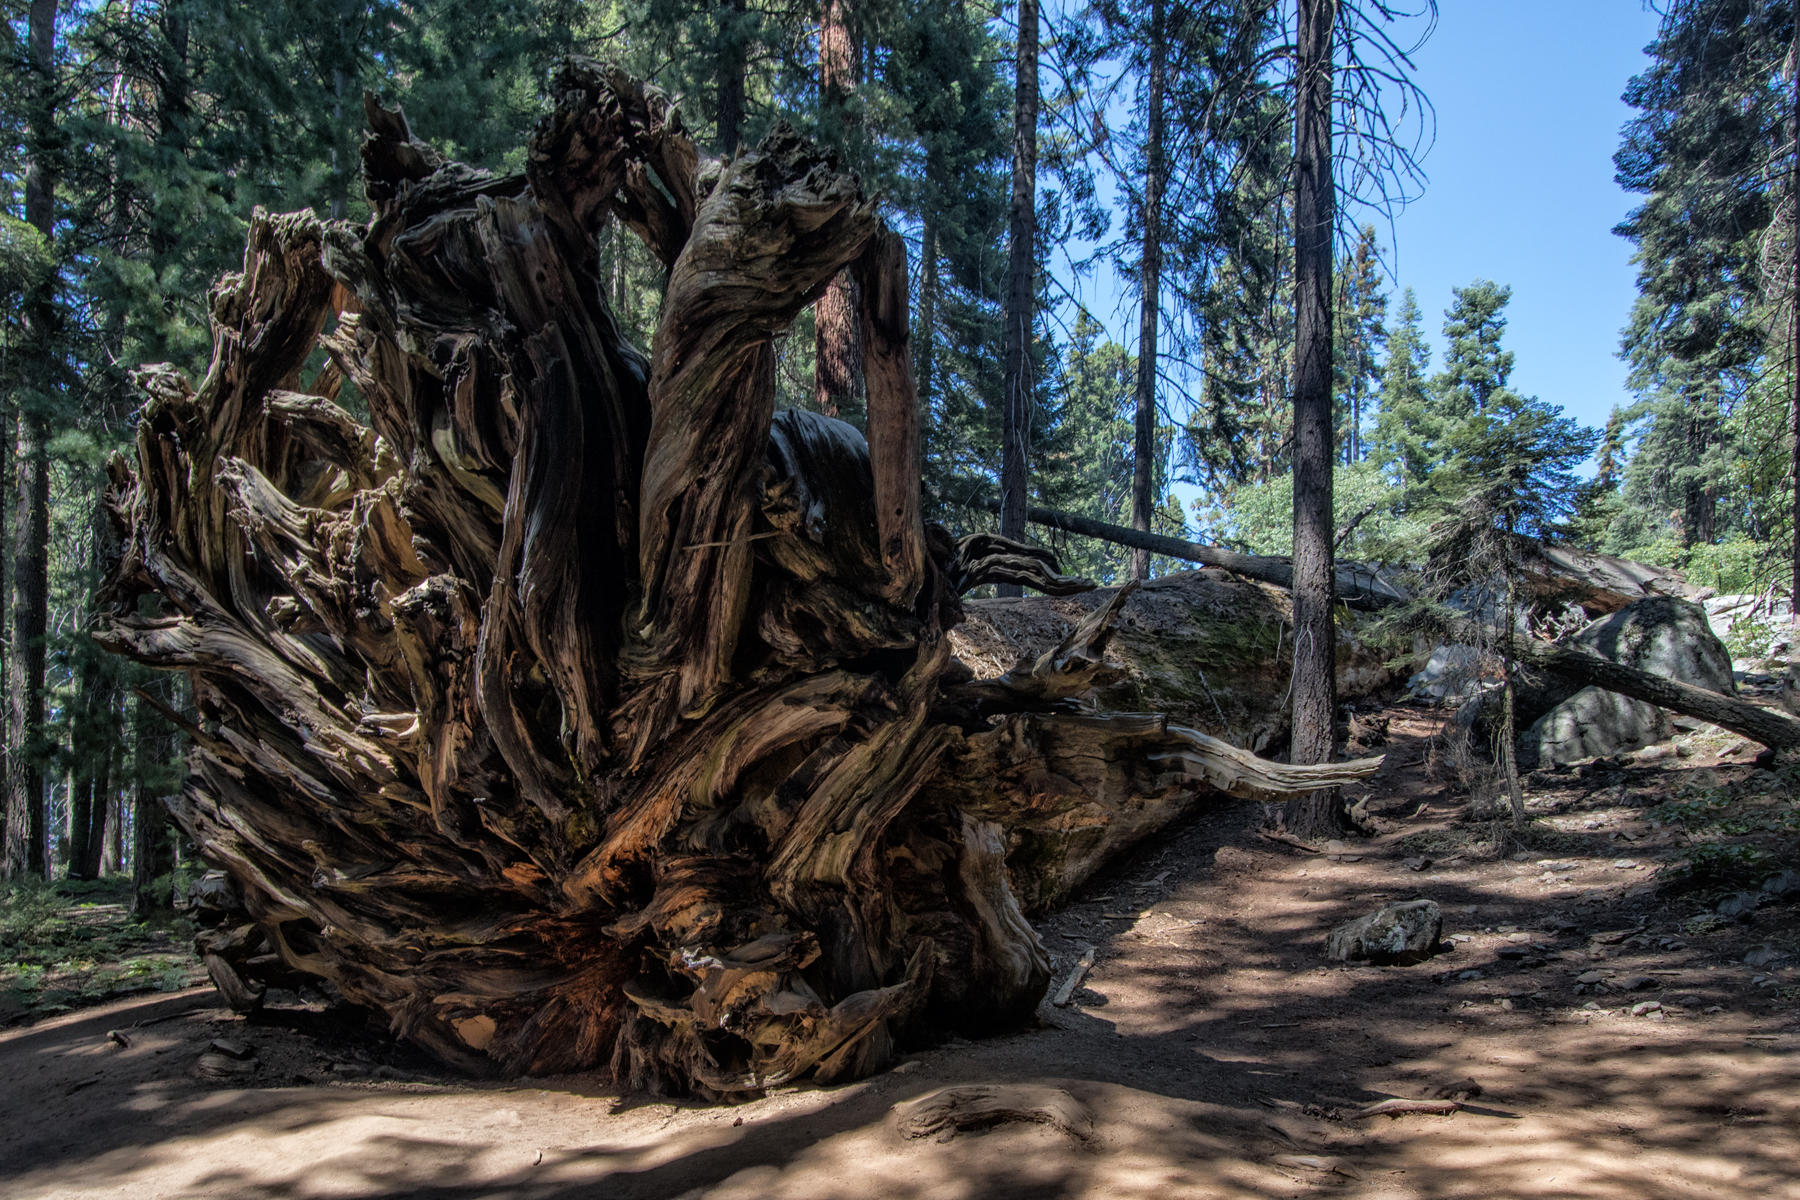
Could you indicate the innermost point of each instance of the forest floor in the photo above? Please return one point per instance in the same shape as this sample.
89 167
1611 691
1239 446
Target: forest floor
1618 983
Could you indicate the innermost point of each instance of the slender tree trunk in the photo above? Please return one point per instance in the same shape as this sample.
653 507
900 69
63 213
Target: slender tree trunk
837 365
925 341
113 862
81 825
1509 748
25 814
1699 501
1794 330
1021 289
108 812
340 170
25 831
152 847
731 79
1314 638
1143 469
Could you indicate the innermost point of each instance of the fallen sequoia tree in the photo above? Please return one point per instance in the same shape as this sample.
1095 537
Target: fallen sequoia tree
1596 583
579 709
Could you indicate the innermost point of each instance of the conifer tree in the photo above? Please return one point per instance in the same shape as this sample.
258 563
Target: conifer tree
1406 427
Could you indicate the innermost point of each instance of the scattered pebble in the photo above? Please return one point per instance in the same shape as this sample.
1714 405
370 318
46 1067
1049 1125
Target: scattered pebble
1590 977
1644 1008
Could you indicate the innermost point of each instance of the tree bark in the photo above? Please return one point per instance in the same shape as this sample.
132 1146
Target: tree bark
582 711
1143 468
731 80
152 852
1020 310
925 346
837 365
1794 332
25 849
1313 698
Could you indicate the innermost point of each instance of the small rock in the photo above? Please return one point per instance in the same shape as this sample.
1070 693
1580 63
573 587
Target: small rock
232 1047
1419 863
1590 977
1742 905
1644 1008
1784 884
1590 1006
1637 983
1514 952
1714 1008
1471 974
1625 864
1762 956
218 1066
1401 934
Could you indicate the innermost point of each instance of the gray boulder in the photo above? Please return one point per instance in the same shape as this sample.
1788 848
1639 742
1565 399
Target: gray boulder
1399 934
1662 635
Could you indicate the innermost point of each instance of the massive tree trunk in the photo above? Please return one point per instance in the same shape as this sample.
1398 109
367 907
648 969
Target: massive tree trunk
1143 460
583 710
1313 699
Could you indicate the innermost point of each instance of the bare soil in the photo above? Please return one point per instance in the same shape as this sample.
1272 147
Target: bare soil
1214 1049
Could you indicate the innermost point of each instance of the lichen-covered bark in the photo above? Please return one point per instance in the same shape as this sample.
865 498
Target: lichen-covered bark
579 710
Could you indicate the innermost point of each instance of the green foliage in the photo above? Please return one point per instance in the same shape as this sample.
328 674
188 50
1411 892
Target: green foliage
72 943
1359 335
1406 428
1466 442
1260 516
1709 149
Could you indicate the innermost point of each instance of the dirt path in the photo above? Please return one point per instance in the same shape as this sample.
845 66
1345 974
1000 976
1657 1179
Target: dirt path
1216 1053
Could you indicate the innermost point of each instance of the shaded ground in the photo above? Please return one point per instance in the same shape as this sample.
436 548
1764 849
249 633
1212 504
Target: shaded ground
1217 1053
66 945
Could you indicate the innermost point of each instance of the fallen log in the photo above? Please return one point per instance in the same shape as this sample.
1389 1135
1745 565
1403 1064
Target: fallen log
1597 580
1590 670
579 710
1358 584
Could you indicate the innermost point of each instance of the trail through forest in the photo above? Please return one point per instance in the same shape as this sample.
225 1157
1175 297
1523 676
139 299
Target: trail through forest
1628 1040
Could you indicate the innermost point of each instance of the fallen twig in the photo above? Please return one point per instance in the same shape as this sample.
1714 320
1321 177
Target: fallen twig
1398 1107
1066 992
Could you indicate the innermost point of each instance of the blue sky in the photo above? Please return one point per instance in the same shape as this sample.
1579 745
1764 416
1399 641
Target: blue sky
1520 186
1519 189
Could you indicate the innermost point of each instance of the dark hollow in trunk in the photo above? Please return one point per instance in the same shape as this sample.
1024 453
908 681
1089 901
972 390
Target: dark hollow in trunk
581 710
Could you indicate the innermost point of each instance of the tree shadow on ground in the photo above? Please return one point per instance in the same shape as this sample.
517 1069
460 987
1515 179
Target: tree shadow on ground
1218 1053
